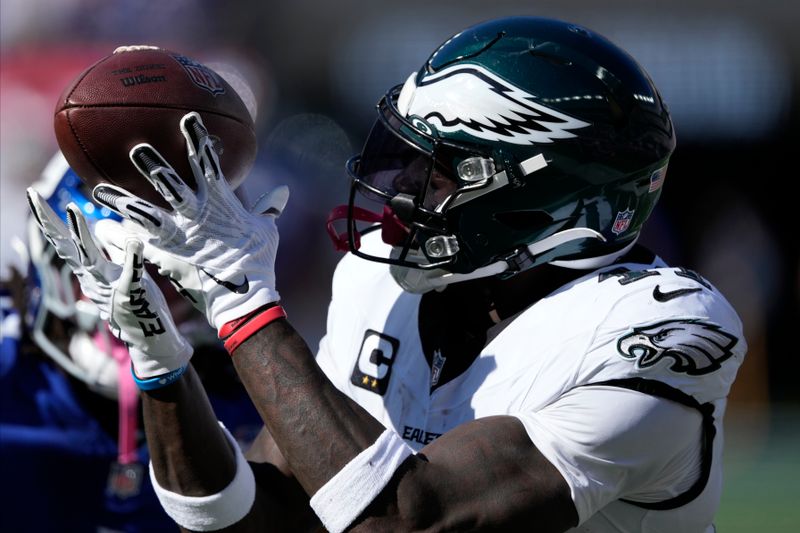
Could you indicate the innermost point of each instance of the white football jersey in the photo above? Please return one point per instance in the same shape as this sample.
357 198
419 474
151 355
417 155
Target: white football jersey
585 370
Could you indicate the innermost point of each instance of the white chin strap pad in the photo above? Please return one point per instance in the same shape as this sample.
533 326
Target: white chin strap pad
421 281
592 263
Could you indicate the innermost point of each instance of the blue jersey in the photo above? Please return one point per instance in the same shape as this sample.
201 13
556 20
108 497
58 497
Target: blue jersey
56 460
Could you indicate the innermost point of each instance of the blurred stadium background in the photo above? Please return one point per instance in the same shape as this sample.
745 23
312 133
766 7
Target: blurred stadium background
730 72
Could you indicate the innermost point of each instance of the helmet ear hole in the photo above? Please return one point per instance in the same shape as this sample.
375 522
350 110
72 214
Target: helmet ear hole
524 220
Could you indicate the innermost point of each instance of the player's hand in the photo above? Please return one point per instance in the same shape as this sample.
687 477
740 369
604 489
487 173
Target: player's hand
220 255
127 297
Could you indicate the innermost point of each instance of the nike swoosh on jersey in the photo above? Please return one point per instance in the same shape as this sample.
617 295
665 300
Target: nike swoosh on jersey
671 295
238 288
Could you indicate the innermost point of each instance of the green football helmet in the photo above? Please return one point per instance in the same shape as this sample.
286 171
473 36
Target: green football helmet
521 141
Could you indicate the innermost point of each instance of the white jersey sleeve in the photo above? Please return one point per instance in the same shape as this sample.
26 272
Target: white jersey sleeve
593 435
644 330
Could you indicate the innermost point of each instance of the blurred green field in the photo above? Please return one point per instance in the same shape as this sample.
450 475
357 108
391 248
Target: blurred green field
762 472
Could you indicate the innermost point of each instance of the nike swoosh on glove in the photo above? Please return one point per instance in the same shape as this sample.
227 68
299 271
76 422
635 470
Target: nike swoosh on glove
218 254
127 297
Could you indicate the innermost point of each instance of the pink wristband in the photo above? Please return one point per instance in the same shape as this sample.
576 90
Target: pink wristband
235 332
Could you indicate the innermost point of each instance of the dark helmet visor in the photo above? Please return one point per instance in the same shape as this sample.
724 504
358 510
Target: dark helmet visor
391 164
399 159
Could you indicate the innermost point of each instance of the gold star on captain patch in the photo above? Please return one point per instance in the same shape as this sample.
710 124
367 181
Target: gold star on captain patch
365 380
374 383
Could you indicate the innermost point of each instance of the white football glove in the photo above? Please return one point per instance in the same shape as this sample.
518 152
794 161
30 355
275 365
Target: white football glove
125 294
218 254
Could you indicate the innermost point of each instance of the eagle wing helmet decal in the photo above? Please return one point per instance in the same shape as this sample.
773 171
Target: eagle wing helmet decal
475 101
695 347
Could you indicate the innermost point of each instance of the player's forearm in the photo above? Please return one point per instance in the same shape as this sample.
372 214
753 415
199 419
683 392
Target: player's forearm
318 429
189 452
191 456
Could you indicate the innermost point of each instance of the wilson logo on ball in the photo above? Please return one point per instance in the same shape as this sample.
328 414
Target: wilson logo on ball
201 75
142 79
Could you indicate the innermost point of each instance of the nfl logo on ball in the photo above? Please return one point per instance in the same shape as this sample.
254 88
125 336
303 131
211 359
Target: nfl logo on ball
201 75
622 221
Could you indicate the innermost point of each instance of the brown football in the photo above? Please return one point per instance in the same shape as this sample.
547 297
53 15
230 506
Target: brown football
138 94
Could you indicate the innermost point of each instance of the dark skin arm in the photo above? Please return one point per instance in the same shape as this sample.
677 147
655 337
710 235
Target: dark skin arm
484 474
191 456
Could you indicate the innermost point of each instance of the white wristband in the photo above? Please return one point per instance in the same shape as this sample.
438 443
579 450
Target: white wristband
215 511
345 496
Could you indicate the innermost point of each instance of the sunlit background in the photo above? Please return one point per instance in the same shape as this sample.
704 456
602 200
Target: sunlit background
730 72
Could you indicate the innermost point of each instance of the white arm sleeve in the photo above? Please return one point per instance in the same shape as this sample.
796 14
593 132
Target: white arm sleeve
610 443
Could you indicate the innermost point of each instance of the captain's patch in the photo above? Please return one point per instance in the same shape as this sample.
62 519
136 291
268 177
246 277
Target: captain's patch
374 364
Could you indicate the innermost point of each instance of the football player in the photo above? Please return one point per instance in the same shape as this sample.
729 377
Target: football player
72 453
500 354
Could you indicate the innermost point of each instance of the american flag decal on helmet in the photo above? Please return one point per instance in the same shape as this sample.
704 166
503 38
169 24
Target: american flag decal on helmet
657 179
201 75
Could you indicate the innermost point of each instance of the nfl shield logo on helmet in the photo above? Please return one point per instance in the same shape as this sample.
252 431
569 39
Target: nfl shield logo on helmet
622 221
201 75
